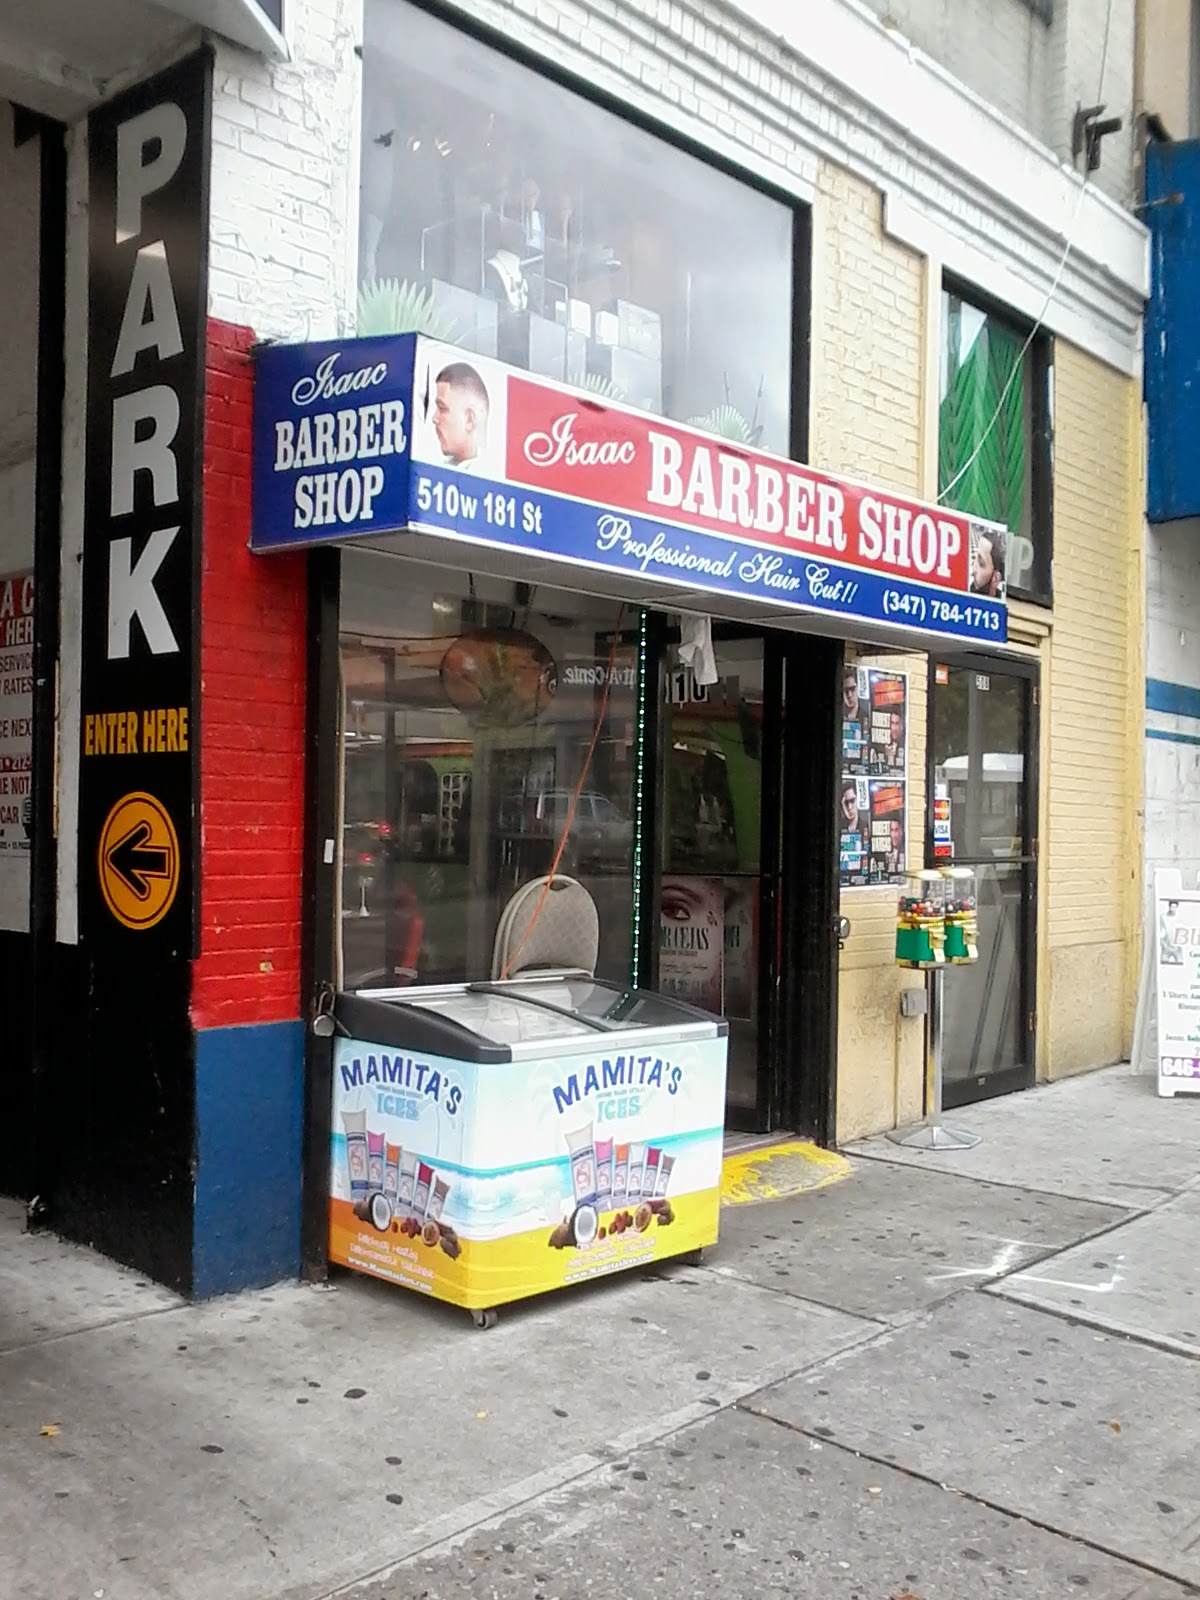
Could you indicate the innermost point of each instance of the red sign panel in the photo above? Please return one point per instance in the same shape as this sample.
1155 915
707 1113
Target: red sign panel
567 444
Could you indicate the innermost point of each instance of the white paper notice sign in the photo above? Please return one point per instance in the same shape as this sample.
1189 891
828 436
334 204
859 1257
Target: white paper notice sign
1176 933
16 746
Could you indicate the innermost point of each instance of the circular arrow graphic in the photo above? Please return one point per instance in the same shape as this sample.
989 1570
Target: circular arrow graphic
135 860
138 861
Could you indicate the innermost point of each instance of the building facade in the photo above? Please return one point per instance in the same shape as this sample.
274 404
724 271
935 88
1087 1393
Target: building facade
1169 107
815 242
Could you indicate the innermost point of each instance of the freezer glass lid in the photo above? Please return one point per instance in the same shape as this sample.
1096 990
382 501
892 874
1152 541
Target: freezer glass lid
502 1017
599 1004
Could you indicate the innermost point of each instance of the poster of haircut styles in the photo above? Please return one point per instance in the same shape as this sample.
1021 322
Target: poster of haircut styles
873 795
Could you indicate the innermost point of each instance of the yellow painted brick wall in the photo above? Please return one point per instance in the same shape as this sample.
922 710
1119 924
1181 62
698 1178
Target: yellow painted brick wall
867 338
1090 846
871 418
868 332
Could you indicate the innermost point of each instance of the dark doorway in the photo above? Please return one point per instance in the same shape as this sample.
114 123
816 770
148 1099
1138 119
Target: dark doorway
983 767
745 891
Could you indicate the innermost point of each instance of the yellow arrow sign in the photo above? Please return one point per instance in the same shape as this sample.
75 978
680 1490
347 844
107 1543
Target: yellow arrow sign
138 861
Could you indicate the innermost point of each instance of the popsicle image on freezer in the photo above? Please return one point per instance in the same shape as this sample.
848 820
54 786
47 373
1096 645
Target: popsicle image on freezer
408 1182
355 1125
391 1172
620 1182
421 1190
637 1162
583 1163
437 1199
375 1160
650 1177
604 1173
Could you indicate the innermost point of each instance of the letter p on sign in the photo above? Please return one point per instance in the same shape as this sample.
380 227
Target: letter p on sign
150 148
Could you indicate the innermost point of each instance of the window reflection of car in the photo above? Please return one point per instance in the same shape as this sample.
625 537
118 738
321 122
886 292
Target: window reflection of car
365 844
600 830
998 794
370 844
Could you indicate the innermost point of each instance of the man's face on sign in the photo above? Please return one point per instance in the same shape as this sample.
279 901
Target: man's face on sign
456 421
897 833
850 694
985 576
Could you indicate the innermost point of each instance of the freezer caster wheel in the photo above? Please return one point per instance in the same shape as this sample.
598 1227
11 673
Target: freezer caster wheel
484 1319
693 1258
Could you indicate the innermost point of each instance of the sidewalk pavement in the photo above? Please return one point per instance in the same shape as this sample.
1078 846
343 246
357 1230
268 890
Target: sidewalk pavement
949 1377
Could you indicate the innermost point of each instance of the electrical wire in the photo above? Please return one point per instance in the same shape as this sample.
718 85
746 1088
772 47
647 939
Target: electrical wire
1050 292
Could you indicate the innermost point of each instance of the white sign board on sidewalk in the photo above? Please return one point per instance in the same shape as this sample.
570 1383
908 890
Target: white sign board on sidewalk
1176 935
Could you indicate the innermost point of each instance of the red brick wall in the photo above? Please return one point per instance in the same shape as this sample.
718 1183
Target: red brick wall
251 726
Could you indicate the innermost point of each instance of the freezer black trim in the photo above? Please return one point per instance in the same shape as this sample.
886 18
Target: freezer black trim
403 1026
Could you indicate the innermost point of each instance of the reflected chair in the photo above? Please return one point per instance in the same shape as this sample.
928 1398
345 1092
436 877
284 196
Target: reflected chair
564 936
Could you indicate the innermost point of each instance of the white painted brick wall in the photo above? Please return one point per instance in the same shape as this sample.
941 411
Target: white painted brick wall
718 71
1034 73
998 47
285 179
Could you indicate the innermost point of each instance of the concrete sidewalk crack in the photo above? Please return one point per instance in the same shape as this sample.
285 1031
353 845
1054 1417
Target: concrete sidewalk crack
1078 1317
732 1275
93 1327
490 1510
856 1153
824 1441
1041 1257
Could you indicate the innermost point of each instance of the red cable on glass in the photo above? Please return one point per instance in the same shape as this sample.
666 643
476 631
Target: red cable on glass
586 768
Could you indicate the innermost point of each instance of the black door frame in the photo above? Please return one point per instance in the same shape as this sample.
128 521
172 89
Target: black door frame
48 980
798 869
986 1086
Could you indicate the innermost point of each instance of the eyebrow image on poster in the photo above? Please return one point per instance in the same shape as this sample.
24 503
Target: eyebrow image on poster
889 724
888 832
854 821
691 945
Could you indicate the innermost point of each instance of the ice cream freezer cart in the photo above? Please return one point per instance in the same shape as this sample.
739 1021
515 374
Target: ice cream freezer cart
493 1141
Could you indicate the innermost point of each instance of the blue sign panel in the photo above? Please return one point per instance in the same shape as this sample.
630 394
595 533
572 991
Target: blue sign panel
1172 344
332 425
547 525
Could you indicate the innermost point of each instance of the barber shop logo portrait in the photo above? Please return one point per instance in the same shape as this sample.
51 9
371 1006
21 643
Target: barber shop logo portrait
459 411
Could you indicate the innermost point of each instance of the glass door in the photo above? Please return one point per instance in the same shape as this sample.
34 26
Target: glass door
982 813
718 874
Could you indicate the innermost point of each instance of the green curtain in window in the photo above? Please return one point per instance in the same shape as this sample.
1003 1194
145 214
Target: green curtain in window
993 485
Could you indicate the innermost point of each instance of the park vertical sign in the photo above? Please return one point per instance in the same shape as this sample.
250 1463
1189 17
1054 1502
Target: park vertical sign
148 164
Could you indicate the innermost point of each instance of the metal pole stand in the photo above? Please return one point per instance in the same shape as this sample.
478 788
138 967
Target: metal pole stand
932 1134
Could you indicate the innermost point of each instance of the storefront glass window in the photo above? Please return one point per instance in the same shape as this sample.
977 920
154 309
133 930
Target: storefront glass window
509 215
994 442
474 715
